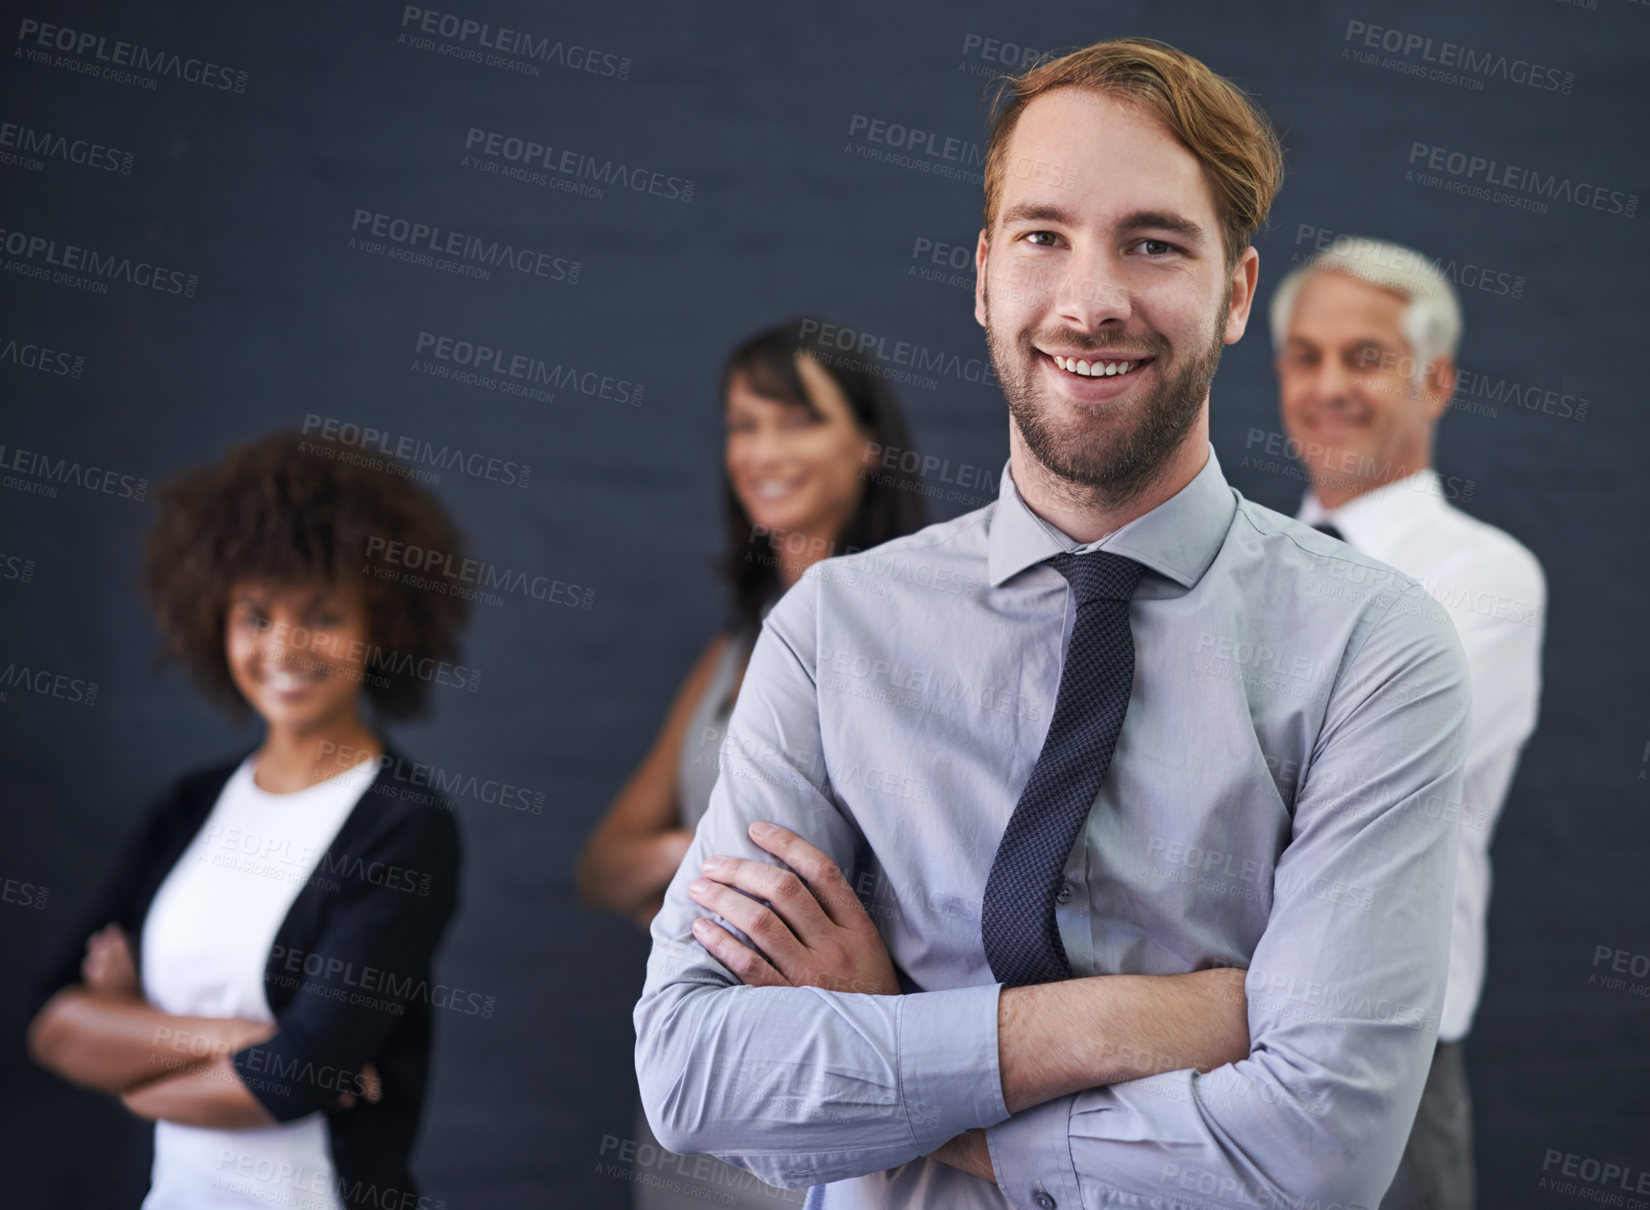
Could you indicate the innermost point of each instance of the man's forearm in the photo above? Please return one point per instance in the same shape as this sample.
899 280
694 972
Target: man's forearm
1054 1039
969 1153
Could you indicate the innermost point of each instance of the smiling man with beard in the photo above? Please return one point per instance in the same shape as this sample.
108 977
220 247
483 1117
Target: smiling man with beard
1155 733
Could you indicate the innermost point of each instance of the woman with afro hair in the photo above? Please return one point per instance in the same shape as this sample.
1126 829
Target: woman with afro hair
254 976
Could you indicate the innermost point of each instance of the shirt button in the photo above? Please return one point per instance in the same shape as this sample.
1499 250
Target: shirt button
1064 896
1044 1201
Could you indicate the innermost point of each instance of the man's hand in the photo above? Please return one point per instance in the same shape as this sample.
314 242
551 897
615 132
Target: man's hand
813 929
108 969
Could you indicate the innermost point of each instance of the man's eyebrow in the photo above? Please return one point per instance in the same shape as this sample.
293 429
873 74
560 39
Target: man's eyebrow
1165 220
1036 212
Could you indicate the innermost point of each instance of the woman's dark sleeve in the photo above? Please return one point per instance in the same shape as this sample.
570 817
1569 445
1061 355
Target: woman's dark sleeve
370 963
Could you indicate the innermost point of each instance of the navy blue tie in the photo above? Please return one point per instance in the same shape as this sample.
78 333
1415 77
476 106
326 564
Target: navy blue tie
1017 918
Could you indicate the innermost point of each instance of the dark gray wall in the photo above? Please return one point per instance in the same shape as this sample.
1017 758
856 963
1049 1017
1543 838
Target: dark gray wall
250 193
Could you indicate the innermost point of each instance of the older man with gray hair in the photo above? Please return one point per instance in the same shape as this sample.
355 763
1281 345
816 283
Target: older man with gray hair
1365 334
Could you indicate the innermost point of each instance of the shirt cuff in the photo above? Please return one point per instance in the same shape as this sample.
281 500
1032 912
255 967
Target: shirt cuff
1031 1156
949 1078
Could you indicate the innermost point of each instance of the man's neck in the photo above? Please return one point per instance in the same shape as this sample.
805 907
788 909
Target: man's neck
1335 491
1086 514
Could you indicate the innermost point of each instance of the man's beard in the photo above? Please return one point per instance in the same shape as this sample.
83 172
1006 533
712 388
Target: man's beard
1107 462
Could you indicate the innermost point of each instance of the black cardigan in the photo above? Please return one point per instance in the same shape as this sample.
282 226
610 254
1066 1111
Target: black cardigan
348 977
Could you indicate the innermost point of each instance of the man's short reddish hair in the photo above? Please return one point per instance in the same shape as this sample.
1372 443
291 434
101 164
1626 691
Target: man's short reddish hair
1215 120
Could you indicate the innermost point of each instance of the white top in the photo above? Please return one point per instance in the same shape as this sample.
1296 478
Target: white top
205 943
1493 590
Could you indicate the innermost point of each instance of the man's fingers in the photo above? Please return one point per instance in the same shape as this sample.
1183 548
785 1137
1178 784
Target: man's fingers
792 901
821 874
744 962
754 919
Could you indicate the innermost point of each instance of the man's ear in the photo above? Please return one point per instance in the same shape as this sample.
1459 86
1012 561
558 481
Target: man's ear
1439 385
1245 274
979 278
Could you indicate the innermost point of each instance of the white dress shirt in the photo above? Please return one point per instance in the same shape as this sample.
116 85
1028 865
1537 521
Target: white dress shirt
1494 592
1283 797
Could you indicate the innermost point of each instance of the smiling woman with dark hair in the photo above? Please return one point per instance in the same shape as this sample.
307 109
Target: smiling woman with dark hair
253 976
805 478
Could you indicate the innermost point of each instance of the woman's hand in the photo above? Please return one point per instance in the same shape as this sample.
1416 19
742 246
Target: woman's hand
813 929
370 1084
108 969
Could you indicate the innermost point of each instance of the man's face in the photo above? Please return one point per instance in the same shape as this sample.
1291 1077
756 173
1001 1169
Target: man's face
1346 375
1113 264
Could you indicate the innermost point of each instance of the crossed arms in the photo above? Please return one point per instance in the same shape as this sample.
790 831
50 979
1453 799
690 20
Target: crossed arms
807 1084
1055 1038
232 1073
103 1035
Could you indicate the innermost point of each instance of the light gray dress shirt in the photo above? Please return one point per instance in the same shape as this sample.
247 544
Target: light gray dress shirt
1283 797
1494 591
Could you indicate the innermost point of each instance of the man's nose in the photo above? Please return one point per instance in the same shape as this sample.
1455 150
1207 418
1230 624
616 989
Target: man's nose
1092 290
1332 381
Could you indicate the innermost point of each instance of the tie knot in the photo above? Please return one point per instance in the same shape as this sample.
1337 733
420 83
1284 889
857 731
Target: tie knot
1099 576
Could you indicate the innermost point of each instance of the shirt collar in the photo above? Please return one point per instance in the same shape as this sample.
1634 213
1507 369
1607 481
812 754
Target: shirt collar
1366 520
1178 539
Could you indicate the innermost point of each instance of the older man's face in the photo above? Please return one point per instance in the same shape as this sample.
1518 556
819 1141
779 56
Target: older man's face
1349 392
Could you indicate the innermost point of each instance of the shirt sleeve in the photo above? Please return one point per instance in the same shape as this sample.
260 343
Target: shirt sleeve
1345 984
397 890
799 1086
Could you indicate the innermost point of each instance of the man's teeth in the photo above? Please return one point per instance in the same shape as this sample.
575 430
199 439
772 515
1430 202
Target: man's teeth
1097 369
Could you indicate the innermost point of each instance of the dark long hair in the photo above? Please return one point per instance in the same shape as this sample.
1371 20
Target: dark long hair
891 504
